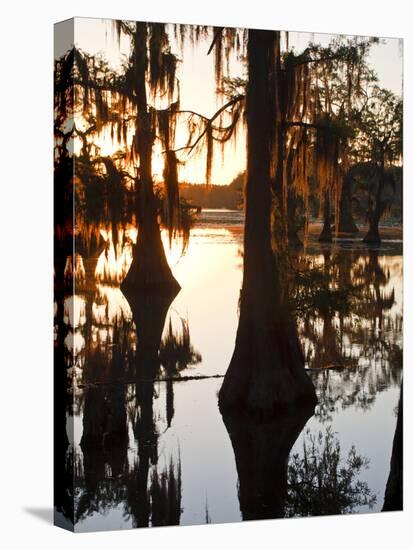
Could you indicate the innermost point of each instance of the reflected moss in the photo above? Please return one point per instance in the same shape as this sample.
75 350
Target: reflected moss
349 325
134 344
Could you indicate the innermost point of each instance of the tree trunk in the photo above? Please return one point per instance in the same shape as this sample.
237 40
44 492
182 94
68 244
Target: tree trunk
149 268
294 240
326 234
280 221
373 235
266 371
261 452
346 224
393 498
292 204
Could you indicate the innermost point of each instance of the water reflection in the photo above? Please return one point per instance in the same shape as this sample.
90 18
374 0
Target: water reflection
63 406
106 340
346 307
176 354
261 452
131 427
350 324
321 481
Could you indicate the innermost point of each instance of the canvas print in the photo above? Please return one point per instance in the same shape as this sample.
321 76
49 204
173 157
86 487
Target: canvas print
228 274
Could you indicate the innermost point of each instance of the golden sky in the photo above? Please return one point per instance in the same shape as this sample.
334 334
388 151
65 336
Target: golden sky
197 84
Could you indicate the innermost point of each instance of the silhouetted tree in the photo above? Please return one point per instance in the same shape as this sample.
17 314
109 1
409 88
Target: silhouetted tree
346 223
379 141
393 497
267 366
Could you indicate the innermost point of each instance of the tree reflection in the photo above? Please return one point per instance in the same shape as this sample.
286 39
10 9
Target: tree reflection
322 482
166 495
349 326
113 353
107 473
261 452
342 302
63 449
176 354
317 481
149 313
358 388
351 335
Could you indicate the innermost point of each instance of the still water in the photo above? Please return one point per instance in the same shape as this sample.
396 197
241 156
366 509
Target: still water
153 449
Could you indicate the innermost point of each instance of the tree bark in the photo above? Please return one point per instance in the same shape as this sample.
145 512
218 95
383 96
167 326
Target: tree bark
326 235
266 371
294 240
149 270
374 214
346 223
373 234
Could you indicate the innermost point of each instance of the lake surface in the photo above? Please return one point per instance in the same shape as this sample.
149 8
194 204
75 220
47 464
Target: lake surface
153 449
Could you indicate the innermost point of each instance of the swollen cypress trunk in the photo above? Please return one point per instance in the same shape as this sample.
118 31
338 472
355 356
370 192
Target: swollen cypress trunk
266 371
149 270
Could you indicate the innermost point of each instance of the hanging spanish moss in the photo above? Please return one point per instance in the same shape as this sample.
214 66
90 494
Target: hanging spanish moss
116 105
315 110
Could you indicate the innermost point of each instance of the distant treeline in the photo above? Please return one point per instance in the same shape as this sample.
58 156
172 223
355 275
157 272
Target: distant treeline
215 196
231 197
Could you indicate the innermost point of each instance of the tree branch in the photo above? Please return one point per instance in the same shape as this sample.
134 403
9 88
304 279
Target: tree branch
192 146
216 36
